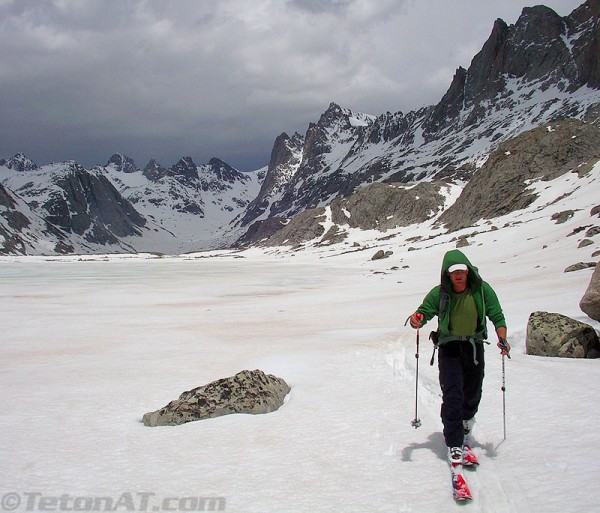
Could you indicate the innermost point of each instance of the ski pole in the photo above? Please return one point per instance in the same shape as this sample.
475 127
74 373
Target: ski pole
503 346
416 422
503 398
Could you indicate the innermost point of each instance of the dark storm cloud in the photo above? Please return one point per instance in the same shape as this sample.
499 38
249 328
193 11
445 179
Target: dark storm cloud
82 79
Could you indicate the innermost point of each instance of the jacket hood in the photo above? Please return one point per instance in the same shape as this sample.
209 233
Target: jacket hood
456 256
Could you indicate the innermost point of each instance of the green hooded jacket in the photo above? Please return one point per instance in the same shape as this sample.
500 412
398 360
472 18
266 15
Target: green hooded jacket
485 298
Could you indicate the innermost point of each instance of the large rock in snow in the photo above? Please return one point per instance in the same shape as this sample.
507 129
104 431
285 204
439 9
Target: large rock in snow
246 392
553 334
590 302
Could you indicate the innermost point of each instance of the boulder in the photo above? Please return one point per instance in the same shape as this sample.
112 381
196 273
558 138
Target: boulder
590 302
382 254
579 266
247 392
553 334
593 231
563 217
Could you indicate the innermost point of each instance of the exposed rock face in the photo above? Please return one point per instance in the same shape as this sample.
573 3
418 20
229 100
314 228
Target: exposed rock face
122 163
260 231
585 52
286 156
222 172
186 170
88 204
377 206
553 334
501 185
16 219
388 205
246 392
154 171
590 302
304 226
21 230
12 224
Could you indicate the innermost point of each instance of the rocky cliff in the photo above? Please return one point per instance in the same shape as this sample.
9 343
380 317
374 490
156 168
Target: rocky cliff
541 69
504 183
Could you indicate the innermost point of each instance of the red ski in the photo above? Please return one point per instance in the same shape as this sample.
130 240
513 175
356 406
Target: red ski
460 489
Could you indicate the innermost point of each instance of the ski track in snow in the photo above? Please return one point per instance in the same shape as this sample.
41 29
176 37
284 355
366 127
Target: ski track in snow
492 490
428 455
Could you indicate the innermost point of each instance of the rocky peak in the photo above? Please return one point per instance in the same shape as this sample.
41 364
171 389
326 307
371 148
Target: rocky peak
186 169
286 156
334 120
540 47
538 24
224 171
584 36
122 163
154 171
280 153
19 162
285 159
485 75
73 167
334 112
536 49
451 103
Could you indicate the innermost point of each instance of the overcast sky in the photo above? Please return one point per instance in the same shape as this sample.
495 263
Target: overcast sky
83 79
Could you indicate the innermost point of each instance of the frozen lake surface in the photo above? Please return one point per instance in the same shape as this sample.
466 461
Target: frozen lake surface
89 345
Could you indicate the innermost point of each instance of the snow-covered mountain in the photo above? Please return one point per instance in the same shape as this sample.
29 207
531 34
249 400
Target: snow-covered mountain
507 182
81 204
118 207
195 204
542 69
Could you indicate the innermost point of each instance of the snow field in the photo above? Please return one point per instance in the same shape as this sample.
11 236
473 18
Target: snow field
91 343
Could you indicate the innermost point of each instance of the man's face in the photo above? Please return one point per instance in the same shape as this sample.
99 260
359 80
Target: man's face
458 280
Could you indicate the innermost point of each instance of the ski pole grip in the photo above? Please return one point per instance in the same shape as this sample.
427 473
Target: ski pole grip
419 317
504 346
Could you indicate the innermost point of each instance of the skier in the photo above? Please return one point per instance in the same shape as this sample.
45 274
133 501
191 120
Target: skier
462 303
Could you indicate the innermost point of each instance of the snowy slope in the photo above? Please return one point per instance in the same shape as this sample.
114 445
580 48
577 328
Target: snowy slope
331 322
195 212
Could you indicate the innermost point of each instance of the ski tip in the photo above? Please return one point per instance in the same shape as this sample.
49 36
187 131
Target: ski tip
463 500
460 490
463 496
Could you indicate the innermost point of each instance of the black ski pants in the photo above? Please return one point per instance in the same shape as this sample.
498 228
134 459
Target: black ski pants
461 381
